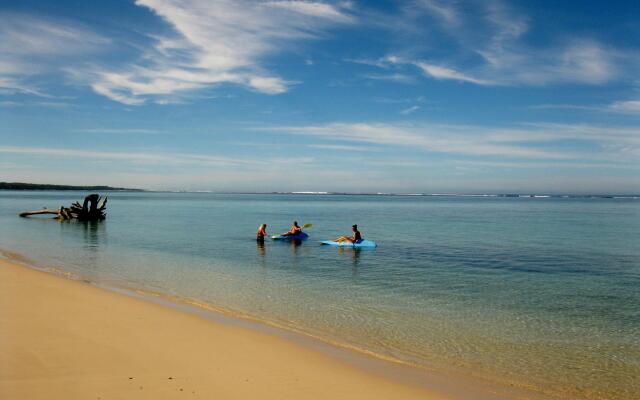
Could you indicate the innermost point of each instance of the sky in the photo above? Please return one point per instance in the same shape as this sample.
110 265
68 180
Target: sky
424 96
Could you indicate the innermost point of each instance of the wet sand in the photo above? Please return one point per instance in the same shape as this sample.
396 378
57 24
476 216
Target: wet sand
66 339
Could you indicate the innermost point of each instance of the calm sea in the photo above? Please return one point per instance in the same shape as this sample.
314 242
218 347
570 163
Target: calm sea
537 292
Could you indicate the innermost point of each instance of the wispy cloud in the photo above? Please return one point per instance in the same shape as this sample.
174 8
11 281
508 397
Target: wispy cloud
554 131
497 33
342 147
558 106
14 83
136 157
583 61
626 107
631 107
30 36
44 104
410 110
483 43
428 138
314 9
400 78
153 158
405 100
533 141
213 43
119 130
443 10
31 46
546 165
439 72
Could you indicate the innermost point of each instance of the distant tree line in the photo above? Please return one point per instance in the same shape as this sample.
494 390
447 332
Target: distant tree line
38 186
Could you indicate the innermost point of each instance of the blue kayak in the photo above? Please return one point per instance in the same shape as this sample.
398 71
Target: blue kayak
362 243
299 236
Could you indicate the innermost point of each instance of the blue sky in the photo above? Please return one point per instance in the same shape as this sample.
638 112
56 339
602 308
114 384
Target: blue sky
392 96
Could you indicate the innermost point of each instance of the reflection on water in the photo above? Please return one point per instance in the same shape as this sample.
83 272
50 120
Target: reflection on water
354 254
91 235
94 233
295 252
262 252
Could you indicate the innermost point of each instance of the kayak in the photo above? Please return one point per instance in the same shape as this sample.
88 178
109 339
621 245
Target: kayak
299 236
363 243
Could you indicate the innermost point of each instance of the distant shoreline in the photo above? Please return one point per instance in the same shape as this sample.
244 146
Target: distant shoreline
39 186
52 187
491 195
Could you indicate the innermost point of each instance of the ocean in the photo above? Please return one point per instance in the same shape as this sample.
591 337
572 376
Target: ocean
541 293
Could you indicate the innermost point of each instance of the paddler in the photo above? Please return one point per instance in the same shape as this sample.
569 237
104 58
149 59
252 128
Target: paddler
295 229
356 238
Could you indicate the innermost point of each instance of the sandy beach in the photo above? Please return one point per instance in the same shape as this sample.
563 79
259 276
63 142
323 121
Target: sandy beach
66 339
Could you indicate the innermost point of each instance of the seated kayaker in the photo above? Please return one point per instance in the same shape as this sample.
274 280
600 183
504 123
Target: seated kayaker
295 230
262 232
356 238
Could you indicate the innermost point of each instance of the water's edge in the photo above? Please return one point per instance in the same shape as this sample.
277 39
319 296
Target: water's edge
450 382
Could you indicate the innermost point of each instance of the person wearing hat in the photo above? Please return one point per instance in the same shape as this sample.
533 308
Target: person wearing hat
356 238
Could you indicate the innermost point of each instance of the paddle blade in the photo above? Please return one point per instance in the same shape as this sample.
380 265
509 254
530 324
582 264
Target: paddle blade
305 226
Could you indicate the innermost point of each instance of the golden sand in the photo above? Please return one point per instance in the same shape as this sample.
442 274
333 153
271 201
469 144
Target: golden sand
65 339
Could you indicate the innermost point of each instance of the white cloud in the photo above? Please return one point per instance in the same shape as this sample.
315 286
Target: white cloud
153 158
268 85
509 60
114 94
562 107
431 70
45 104
400 78
631 107
31 46
10 85
30 36
91 154
627 107
314 9
503 28
533 141
410 110
443 10
341 147
119 130
585 62
215 42
546 165
439 72
554 131
428 138
484 43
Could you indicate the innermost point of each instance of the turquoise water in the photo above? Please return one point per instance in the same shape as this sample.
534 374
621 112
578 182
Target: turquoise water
538 292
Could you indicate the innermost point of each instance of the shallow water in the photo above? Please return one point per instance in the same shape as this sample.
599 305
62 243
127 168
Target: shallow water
537 292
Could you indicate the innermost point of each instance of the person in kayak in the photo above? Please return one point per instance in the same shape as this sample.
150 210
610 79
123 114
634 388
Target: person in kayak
356 238
262 233
295 229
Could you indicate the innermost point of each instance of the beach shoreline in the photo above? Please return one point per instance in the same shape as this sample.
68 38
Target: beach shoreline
114 334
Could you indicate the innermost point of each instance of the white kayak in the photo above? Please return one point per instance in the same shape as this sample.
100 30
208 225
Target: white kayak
362 243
